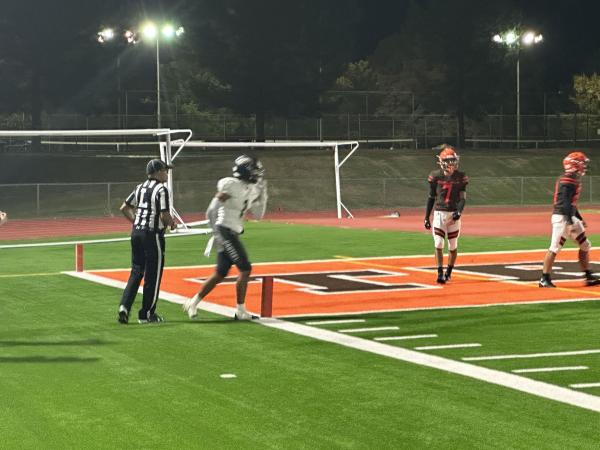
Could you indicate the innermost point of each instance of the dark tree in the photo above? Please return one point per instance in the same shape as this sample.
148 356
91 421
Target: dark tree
274 56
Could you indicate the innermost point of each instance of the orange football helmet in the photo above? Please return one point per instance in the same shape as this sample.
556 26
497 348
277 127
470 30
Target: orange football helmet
576 162
448 159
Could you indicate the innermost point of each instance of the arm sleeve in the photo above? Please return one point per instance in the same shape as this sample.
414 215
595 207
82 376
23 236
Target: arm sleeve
258 207
461 205
567 191
431 198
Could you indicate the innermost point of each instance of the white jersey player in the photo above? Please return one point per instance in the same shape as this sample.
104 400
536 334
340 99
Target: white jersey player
245 191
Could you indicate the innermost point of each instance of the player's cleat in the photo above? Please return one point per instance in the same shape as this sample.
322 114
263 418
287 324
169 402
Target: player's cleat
189 308
123 315
441 279
447 277
154 318
592 280
245 316
546 283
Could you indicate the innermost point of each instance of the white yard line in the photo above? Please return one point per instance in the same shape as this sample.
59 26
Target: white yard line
584 385
538 388
530 355
550 369
401 338
366 330
442 347
333 322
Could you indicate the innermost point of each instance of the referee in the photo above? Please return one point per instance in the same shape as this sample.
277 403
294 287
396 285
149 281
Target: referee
148 209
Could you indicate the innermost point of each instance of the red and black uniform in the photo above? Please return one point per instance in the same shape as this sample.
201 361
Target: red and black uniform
446 189
566 193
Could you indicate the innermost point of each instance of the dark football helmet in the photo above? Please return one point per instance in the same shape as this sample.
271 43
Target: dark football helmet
248 168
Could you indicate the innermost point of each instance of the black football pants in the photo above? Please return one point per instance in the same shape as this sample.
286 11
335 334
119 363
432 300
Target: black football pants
147 262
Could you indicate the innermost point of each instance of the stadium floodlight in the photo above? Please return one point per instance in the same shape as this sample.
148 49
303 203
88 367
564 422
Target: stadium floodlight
149 30
105 34
515 39
153 32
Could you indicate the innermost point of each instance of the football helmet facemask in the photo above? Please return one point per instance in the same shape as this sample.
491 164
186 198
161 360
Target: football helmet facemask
576 162
448 159
248 168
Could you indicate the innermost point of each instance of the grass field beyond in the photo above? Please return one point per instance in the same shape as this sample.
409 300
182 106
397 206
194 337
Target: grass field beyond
74 378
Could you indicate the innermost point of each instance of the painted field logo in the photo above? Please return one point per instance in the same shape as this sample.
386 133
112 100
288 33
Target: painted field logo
341 282
386 284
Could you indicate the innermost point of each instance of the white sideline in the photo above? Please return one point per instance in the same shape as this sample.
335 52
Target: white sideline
443 347
400 338
550 369
333 322
530 355
538 388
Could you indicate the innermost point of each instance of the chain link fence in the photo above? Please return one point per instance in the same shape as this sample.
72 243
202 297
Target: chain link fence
47 200
426 130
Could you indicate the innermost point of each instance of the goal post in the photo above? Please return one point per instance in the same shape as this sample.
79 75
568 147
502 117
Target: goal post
170 156
162 137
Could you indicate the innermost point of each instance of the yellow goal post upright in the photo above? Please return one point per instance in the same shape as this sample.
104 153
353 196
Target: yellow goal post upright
169 155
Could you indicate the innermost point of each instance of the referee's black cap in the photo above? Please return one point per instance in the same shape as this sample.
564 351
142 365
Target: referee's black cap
156 165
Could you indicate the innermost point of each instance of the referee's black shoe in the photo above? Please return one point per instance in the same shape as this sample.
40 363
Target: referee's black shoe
153 318
123 315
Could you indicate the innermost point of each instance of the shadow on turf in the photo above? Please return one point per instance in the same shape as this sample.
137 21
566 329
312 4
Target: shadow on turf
45 359
50 343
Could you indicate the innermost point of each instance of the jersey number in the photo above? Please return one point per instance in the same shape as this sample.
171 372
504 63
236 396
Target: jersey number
447 186
143 202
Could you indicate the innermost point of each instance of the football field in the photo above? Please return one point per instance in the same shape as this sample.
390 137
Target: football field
365 350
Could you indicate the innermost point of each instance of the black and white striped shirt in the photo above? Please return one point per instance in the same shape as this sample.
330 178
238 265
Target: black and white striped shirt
150 199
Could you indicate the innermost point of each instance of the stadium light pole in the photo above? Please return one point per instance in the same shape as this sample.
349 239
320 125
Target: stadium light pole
514 39
151 31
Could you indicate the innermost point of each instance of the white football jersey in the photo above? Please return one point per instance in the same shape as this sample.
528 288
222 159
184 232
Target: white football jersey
230 213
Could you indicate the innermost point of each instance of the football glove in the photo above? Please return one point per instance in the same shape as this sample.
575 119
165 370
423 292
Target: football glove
427 224
455 216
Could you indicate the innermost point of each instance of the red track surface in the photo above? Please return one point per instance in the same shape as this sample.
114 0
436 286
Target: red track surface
478 221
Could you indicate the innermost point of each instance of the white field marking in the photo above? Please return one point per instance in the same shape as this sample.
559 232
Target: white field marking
428 308
368 258
442 347
333 322
228 375
512 381
366 330
531 355
584 385
550 369
401 338
25 275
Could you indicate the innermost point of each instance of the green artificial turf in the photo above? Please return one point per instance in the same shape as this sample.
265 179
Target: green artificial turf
74 378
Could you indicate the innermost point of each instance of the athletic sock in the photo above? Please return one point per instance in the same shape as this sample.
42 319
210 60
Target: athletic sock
449 270
440 271
546 276
241 307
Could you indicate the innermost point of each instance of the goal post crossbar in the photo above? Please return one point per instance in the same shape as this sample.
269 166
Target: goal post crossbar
84 133
166 152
